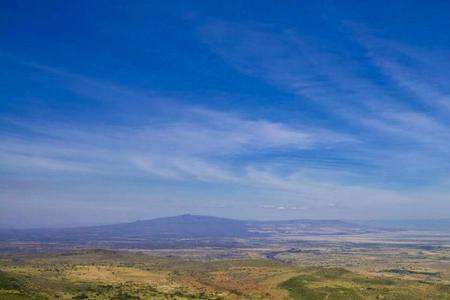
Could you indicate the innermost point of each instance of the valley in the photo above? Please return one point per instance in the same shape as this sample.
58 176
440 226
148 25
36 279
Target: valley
285 260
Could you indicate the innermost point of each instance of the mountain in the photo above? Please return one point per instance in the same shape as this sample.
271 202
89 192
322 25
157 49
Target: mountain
179 227
184 226
183 231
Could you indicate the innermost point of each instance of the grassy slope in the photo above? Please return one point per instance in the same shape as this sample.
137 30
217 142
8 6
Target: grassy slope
124 275
338 283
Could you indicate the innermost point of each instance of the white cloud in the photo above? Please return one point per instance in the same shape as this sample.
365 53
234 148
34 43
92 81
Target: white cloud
389 135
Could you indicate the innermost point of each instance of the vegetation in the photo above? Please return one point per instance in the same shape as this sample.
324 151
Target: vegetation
102 274
332 283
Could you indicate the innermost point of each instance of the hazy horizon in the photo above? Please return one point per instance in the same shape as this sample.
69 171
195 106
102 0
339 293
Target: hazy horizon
390 223
120 111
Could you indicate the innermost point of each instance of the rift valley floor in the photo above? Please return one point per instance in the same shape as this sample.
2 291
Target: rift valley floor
287 264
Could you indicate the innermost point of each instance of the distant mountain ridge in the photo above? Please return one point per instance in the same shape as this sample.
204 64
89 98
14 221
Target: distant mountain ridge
192 231
184 227
180 226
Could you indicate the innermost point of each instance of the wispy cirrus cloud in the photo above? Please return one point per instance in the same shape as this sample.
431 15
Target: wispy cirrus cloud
202 144
179 142
419 72
327 110
171 149
379 98
371 157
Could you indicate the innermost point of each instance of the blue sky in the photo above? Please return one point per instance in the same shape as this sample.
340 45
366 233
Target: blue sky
115 110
